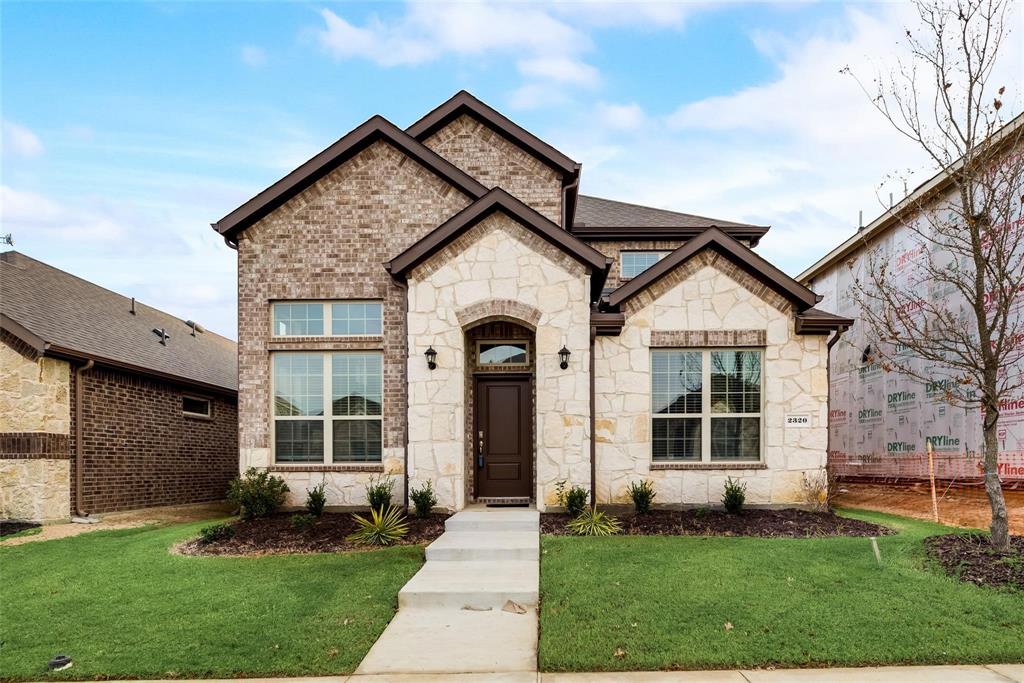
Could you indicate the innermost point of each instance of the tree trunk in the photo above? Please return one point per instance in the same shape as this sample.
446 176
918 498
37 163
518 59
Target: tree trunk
1000 526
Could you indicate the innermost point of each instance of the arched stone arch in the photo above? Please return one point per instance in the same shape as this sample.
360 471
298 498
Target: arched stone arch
498 309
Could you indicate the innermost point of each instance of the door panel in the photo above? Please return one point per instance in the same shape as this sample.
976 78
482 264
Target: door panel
504 437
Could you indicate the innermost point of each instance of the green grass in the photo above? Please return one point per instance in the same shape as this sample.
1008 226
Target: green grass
122 606
665 601
31 531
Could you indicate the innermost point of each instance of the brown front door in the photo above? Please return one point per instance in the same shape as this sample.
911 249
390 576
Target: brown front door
503 441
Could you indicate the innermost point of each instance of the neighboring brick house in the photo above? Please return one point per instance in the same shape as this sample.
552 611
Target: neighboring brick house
440 303
106 404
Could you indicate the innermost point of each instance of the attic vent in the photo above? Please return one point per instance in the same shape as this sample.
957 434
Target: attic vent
162 333
196 327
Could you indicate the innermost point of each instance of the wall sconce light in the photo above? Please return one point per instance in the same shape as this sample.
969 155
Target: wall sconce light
431 355
563 357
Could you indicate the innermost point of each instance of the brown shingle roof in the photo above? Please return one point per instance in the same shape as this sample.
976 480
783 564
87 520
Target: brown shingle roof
598 218
69 316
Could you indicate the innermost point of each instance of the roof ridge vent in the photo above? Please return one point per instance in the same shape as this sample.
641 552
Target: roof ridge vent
162 333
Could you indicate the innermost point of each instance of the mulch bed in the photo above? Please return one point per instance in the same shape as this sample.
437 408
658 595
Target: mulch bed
275 535
10 527
972 559
786 523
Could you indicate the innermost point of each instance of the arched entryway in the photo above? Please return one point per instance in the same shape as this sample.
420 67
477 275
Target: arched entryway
500 422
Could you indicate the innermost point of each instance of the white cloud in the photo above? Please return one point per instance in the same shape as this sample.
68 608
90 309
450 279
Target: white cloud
621 116
560 69
253 55
20 141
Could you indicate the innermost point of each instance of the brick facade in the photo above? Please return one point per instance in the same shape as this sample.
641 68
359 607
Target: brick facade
140 451
614 249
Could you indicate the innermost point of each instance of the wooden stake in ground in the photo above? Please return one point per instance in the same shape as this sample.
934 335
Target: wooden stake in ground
931 475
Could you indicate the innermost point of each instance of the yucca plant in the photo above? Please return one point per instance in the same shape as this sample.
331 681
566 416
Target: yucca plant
593 522
384 527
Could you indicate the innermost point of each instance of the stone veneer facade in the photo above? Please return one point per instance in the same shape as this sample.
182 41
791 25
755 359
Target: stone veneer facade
700 305
35 419
328 243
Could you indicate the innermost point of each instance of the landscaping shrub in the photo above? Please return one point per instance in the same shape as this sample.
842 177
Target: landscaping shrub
734 495
303 521
215 532
818 491
379 491
257 493
423 499
316 499
643 494
573 499
384 527
593 522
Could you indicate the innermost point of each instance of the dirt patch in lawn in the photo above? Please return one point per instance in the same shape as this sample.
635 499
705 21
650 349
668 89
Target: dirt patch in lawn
786 523
972 559
275 535
10 527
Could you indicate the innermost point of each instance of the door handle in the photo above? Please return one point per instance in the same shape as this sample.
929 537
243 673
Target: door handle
480 450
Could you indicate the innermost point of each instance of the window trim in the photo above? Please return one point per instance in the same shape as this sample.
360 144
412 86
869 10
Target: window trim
208 415
524 342
626 278
706 414
328 418
328 318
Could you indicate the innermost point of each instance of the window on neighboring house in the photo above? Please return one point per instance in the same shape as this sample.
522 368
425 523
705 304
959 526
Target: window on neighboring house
706 405
345 319
350 430
194 406
635 262
503 353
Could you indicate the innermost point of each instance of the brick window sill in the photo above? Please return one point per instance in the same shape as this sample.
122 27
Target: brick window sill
326 344
361 467
708 466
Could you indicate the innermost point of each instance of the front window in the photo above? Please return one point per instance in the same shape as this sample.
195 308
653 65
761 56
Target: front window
503 353
351 424
327 318
635 262
706 405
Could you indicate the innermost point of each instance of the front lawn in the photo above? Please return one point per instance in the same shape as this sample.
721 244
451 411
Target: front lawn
122 606
646 603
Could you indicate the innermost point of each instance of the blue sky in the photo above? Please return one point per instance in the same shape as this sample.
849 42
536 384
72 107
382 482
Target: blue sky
129 127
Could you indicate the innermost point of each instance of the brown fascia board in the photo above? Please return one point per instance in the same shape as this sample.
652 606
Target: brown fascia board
814 321
464 103
606 323
374 129
751 233
714 238
19 331
500 200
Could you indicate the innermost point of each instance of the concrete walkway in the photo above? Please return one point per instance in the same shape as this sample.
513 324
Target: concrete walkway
472 608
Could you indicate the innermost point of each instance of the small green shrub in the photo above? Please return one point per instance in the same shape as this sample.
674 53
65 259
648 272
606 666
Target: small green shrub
643 494
423 499
257 493
734 495
379 491
316 499
384 527
215 532
303 521
593 522
573 498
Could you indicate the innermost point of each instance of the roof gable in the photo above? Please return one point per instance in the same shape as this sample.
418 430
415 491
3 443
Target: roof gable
745 258
374 129
58 314
500 200
464 103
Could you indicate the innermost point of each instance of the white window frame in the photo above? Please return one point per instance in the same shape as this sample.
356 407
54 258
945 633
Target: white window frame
622 273
328 318
524 342
328 418
706 415
208 415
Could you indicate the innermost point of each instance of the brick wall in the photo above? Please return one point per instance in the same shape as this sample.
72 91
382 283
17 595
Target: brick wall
614 249
140 451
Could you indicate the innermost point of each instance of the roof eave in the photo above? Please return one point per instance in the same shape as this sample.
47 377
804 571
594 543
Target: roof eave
22 333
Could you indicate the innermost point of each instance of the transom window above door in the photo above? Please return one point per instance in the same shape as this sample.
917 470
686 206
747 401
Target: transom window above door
706 405
635 262
503 353
327 318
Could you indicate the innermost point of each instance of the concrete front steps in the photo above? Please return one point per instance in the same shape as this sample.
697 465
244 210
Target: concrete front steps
472 607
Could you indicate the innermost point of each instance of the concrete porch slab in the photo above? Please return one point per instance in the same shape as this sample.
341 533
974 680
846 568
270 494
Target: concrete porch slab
477 585
485 545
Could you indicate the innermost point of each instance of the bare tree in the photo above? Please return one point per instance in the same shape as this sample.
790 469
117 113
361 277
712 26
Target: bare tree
958 313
